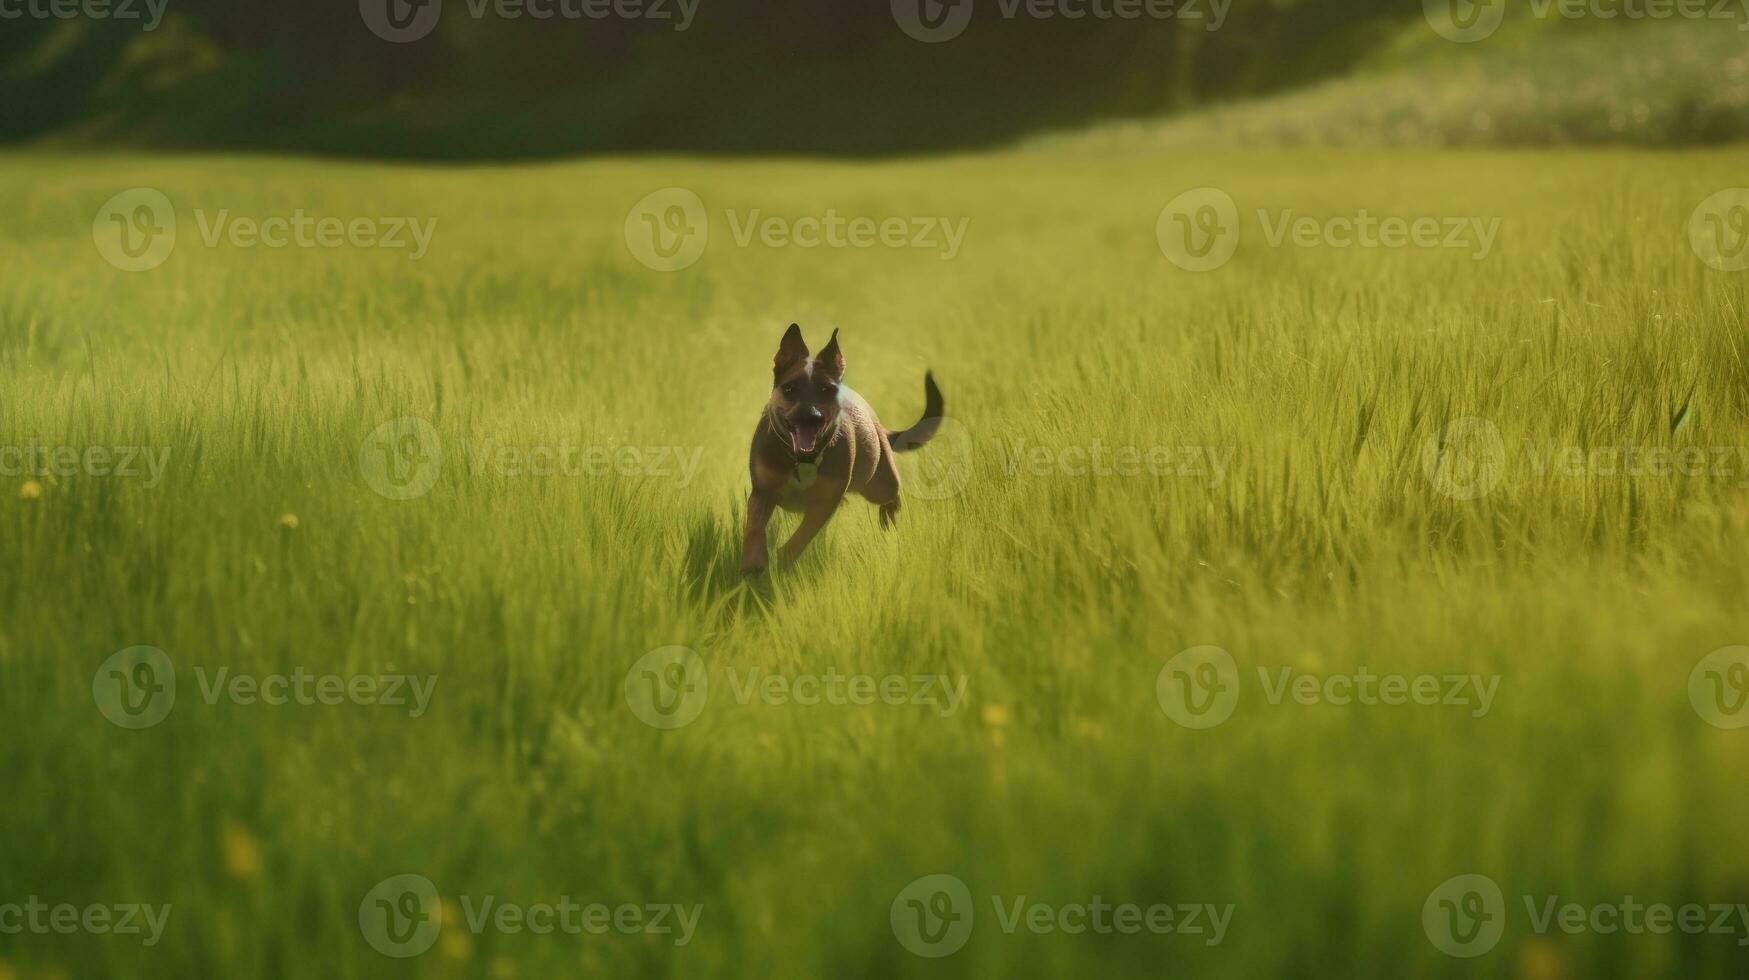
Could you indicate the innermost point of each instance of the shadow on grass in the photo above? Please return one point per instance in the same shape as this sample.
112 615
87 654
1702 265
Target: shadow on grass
711 569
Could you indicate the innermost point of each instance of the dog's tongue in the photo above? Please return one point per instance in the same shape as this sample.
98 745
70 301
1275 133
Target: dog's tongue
804 439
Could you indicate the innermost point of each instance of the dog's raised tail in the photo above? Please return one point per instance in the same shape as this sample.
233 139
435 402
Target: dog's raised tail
925 428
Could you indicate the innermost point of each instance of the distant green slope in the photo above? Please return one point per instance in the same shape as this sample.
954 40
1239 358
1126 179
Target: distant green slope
1535 82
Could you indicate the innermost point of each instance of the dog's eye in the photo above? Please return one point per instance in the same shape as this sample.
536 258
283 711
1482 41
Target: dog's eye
830 391
789 390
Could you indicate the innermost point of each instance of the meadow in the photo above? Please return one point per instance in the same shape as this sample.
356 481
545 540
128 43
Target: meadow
1535 83
514 469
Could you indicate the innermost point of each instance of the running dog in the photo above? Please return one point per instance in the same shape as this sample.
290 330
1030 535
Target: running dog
818 441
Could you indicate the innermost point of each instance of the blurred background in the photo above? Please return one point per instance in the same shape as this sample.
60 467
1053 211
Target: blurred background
484 79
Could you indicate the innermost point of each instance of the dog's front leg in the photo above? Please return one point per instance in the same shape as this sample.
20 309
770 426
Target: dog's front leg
820 510
759 507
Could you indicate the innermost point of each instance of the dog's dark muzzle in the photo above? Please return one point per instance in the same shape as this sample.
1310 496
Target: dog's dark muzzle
805 428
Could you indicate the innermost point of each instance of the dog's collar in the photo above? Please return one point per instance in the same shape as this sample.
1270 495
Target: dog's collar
812 459
807 465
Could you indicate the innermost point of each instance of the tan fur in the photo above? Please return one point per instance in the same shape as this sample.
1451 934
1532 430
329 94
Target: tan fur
854 454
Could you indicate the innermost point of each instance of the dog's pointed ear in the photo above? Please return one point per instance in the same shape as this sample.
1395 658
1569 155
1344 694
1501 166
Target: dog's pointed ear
792 350
831 358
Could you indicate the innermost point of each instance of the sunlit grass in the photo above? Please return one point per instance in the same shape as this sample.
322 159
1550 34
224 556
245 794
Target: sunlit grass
1318 376
1534 83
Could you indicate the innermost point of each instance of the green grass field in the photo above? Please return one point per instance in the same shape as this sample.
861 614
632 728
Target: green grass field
1277 476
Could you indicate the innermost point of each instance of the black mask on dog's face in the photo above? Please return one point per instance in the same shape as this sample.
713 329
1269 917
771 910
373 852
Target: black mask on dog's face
804 395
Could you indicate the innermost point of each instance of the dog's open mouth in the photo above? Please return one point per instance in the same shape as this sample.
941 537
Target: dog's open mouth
805 436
